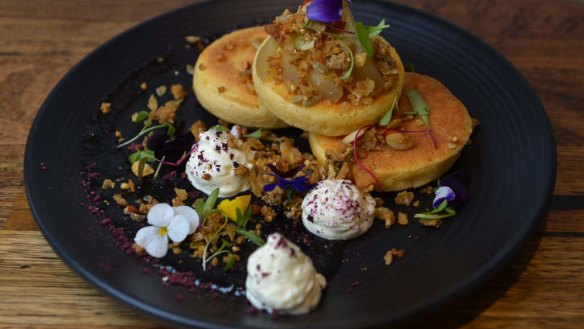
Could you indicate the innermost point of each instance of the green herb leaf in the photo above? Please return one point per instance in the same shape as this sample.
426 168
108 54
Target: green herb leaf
409 67
230 263
200 207
213 238
171 130
210 203
246 216
220 128
239 216
386 119
419 105
363 36
347 73
159 166
147 130
140 116
256 134
440 212
374 31
146 155
251 237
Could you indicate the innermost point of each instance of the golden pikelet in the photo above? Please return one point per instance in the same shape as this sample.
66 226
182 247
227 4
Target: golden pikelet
222 80
424 163
324 117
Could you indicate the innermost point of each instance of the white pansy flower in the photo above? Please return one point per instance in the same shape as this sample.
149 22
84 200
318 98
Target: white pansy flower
167 223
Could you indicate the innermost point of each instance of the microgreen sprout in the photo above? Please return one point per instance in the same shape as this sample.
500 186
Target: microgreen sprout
364 39
421 109
206 208
170 131
219 128
419 106
386 119
211 240
376 30
256 134
147 155
140 116
410 67
347 73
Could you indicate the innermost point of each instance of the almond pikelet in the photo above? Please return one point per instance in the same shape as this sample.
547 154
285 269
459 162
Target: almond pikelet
322 78
418 158
222 80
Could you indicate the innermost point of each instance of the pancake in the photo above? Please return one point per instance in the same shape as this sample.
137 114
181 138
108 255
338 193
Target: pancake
222 81
423 163
325 117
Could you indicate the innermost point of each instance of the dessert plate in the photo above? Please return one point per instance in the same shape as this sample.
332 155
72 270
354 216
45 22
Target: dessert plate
510 169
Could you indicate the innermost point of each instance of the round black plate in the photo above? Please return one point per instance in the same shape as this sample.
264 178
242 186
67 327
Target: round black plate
510 168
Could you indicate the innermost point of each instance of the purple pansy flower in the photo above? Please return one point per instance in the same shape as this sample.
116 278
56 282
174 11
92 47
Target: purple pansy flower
326 11
172 149
451 189
285 180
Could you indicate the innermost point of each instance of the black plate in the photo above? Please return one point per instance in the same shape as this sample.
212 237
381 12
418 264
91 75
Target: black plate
510 168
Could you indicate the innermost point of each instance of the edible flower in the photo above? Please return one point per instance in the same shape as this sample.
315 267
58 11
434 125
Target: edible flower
230 207
286 180
172 149
326 11
450 194
452 189
167 222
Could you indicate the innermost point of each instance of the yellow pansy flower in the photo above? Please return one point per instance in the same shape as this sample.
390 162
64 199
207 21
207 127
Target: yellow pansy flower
229 207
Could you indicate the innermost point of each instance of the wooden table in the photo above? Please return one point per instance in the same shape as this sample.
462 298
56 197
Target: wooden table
40 40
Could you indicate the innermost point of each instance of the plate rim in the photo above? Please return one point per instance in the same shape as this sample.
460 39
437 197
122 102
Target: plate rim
486 272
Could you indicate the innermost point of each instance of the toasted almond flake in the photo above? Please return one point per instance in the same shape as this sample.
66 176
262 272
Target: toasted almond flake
161 90
177 91
402 218
107 184
192 39
105 107
120 200
388 258
190 69
152 103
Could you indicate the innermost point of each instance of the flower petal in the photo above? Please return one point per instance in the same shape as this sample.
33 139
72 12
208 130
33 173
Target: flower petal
326 11
455 182
270 187
229 207
145 234
191 215
178 229
160 215
443 193
154 244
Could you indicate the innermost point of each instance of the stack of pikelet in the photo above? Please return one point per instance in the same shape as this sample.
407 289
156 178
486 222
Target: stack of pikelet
223 85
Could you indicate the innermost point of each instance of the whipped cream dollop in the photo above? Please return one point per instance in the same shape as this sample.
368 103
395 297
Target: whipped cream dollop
213 162
281 277
336 210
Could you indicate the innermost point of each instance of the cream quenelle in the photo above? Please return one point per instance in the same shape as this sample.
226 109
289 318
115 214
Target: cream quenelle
213 164
336 210
280 277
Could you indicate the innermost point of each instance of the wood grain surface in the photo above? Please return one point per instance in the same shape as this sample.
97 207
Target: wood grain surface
40 40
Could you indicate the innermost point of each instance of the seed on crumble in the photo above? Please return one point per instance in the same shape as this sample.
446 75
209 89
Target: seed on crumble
105 107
